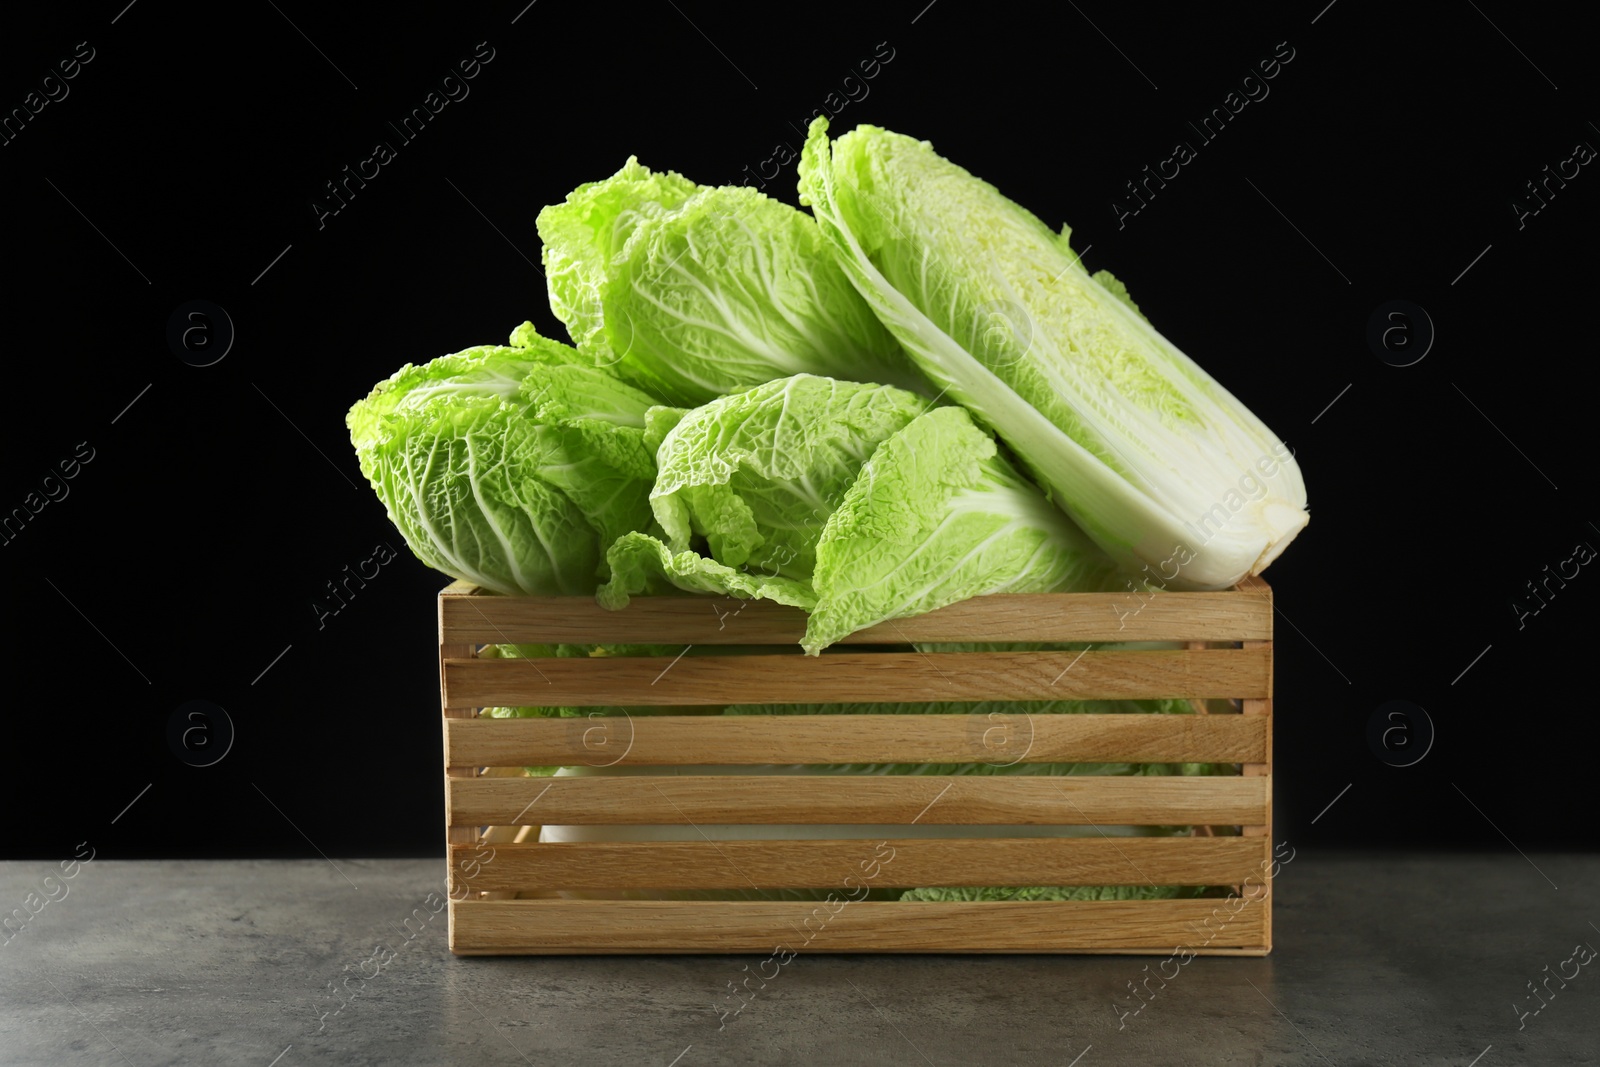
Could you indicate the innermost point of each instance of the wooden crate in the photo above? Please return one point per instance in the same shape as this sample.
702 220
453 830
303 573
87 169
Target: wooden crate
505 894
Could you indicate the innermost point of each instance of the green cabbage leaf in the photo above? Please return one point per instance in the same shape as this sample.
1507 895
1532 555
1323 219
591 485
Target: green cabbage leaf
1155 460
692 292
512 467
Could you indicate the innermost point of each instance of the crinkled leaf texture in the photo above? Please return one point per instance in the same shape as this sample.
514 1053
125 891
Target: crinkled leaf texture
934 516
693 292
510 467
1148 453
757 474
937 516
641 563
584 234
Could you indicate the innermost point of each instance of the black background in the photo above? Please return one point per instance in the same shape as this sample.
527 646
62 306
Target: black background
189 551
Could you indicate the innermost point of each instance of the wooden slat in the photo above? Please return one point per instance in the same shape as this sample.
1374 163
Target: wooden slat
843 799
857 676
896 863
1232 615
1146 927
814 739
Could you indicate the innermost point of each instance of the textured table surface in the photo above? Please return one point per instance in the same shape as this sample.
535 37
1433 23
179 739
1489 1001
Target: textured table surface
1378 960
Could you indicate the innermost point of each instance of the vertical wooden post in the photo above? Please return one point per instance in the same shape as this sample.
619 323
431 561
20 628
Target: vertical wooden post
1263 707
1200 706
453 835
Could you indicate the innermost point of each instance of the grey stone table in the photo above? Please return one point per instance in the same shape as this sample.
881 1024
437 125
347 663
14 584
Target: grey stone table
1378 960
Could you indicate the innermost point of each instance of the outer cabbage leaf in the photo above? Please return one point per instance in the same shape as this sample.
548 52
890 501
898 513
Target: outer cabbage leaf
597 425
461 482
582 235
757 474
1157 462
1113 285
932 517
936 516
483 371
694 292
485 487
641 563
